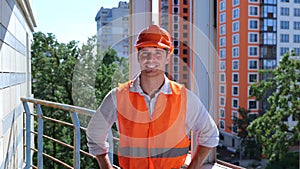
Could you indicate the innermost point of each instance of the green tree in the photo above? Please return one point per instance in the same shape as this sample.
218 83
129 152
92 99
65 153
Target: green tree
65 73
272 130
248 144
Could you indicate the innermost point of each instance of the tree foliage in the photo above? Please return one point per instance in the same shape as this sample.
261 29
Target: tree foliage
272 129
249 146
68 74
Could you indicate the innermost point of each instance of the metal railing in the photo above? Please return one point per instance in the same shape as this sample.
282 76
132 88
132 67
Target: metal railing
29 131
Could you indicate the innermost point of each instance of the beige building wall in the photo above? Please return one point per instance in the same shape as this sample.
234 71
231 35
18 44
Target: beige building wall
16 27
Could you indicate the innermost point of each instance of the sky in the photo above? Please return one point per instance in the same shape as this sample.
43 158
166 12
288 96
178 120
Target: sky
69 19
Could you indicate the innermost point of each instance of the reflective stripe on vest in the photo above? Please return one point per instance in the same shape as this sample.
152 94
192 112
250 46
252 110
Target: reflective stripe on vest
154 152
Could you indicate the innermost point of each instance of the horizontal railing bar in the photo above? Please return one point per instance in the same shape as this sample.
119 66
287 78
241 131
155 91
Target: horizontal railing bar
57 160
53 158
58 121
67 107
55 140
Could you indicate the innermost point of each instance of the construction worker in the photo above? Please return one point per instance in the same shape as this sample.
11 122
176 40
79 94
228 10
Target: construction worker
154 115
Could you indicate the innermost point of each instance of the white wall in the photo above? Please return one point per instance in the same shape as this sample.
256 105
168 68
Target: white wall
15 81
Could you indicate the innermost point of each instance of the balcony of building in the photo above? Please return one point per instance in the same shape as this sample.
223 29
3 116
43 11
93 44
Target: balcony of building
35 122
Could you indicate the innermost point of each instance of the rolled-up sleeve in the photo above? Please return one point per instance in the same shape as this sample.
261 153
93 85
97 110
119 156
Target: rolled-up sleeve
200 122
100 124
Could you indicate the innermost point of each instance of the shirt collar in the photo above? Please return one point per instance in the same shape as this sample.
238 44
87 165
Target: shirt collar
136 87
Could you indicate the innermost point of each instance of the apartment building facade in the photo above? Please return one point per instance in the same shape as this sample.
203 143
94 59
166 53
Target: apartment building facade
113 28
16 26
252 35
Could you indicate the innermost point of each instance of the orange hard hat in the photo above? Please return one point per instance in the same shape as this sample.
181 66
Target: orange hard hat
154 36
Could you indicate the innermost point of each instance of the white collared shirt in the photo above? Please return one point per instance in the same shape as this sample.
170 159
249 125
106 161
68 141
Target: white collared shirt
197 118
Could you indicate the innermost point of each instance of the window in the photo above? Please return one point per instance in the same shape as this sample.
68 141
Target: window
176 35
269 25
185 68
297 51
175 2
175 10
297 25
283 50
297 1
235 2
235 52
296 39
222 124
235 39
222 41
176 77
222 65
252 64
253 50
235 103
284 38
185 2
253 37
268 38
176 18
185 76
236 13
284 11
253 24
222 53
185 35
235 90
185 27
297 12
185 10
222 17
176 43
253 78
176 51
176 68
252 116
222 29
235 77
235 26
176 26
185 60
185 51
222 5
284 25
222 77
222 89
222 101
185 18
253 0
253 10
269 11
252 104
176 59
222 113
235 65
234 115
234 129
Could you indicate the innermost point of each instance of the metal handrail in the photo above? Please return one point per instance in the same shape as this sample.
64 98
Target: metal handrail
74 110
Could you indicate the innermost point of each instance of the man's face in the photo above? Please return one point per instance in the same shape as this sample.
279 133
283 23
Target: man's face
153 60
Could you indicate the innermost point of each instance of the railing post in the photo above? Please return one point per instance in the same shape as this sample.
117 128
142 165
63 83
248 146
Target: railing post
40 136
77 145
28 135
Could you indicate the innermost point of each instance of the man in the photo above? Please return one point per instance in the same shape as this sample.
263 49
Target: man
154 114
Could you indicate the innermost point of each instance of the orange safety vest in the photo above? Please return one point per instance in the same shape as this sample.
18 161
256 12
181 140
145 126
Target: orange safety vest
157 142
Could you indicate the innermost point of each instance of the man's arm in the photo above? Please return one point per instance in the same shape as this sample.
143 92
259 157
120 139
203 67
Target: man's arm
103 161
199 157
